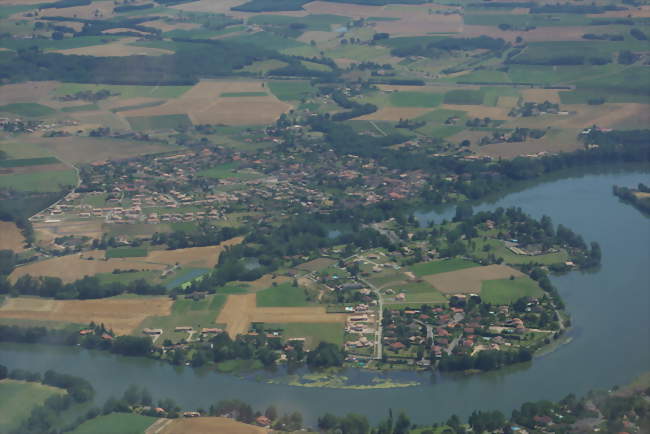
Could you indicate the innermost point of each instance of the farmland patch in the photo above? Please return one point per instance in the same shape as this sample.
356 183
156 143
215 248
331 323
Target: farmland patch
469 280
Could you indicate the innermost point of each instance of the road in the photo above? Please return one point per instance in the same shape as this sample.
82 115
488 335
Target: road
380 317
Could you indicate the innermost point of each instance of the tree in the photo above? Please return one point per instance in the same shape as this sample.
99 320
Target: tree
271 412
402 424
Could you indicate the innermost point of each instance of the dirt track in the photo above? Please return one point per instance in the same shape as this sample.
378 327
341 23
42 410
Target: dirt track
241 310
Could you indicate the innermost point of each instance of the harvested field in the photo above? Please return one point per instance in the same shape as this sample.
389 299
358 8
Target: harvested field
11 238
412 20
168 27
240 310
469 280
208 425
200 257
394 114
479 111
541 95
507 102
95 10
88 149
220 7
27 92
204 105
120 314
73 267
115 49
49 231
540 34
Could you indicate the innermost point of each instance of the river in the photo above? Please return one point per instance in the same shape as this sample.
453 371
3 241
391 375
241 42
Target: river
610 335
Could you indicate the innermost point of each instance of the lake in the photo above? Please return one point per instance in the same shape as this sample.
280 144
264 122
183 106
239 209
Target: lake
610 334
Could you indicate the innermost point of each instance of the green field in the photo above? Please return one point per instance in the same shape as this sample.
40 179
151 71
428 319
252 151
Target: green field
52 180
224 171
17 398
464 97
63 44
124 91
491 94
418 293
435 267
24 162
282 295
313 332
291 90
264 66
80 108
137 106
415 99
505 291
267 40
116 423
20 150
482 76
126 252
28 109
187 312
162 122
321 22
241 94
315 66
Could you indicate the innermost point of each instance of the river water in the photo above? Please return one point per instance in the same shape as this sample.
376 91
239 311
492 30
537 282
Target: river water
610 336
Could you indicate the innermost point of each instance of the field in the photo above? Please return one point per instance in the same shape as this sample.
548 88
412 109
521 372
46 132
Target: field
11 238
314 333
415 99
42 181
124 91
241 310
117 48
316 264
469 280
464 97
162 122
293 90
435 267
282 295
417 293
126 252
506 291
122 315
186 312
116 423
28 109
509 257
209 425
18 398
204 104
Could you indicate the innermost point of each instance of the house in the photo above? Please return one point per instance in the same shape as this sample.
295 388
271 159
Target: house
263 421
213 331
152 332
191 414
85 332
183 329
397 346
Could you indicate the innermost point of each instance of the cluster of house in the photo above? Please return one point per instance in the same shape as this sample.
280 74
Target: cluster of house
17 125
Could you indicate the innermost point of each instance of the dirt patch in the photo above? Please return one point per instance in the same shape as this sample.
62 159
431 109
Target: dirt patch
11 238
394 114
27 92
241 310
210 425
116 49
204 104
120 314
469 280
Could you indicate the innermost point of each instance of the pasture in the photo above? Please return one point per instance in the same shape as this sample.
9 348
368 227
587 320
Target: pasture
506 291
442 266
416 293
282 295
41 181
11 238
27 109
316 264
122 315
291 90
118 48
18 398
469 280
116 423
161 122
208 425
415 99
188 313
314 333
500 251
241 310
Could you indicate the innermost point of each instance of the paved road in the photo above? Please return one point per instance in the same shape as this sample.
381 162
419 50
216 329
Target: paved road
380 317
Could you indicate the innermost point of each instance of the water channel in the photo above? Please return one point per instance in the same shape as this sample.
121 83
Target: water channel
610 337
